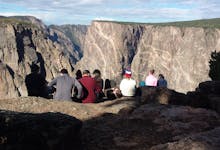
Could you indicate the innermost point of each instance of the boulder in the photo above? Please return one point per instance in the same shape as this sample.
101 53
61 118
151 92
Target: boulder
162 95
209 87
207 95
26 131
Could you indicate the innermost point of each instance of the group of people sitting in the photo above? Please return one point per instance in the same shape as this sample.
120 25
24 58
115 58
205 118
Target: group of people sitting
85 87
151 80
128 85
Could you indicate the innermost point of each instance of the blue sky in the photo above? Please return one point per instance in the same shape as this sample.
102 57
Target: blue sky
84 11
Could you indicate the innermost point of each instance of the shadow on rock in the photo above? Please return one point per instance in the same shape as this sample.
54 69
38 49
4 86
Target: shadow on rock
206 95
46 131
148 126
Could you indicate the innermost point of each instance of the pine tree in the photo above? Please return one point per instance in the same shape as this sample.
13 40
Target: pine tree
214 65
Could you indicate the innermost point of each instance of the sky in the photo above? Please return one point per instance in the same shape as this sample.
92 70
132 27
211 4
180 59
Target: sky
84 11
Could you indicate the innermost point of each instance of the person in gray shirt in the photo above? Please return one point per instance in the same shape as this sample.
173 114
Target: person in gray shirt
65 85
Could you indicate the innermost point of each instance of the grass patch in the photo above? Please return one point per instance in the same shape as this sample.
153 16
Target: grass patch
14 21
204 23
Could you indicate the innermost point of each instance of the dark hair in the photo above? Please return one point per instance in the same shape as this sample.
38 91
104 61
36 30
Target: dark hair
34 68
97 74
96 71
152 71
107 84
78 74
86 72
64 71
161 76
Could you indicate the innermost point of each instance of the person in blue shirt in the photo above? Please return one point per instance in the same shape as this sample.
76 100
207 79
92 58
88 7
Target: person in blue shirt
161 81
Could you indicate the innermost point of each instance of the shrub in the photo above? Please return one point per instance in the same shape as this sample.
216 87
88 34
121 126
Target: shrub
214 65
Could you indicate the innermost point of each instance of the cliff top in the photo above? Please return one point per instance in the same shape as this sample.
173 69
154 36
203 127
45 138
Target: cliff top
33 22
204 23
22 20
13 21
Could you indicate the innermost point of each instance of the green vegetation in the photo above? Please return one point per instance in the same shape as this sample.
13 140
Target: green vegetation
14 21
205 23
214 65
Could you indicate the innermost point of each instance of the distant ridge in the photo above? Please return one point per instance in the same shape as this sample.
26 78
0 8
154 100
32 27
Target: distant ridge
203 23
28 20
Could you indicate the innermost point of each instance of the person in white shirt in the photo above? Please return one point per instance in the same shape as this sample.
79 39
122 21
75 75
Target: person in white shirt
128 85
151 80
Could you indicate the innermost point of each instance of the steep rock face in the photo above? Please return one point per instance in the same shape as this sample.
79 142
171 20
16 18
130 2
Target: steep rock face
7 87
24 44
72 37
181 54
76 33
66 44
110 47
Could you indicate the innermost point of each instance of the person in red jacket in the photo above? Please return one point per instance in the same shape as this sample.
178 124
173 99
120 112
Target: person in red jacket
90 85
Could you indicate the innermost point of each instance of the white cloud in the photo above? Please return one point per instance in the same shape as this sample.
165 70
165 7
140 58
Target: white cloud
104 18
83 11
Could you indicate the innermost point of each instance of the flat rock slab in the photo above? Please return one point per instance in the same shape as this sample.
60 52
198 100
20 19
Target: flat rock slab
148 126
203 141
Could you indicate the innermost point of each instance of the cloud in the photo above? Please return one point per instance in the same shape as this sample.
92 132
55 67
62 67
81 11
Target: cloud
83 11
104 18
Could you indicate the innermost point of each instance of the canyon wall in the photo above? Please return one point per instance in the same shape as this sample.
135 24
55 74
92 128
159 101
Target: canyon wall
73 34
110 47
23 44
182 54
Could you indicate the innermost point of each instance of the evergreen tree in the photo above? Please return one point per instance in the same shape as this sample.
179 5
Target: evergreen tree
214 65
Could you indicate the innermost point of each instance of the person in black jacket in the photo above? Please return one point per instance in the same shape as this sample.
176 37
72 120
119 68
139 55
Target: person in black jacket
36 83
